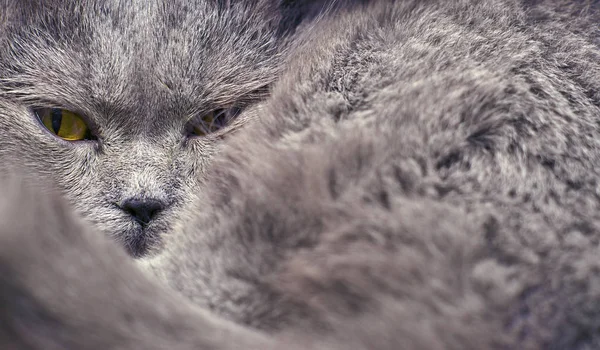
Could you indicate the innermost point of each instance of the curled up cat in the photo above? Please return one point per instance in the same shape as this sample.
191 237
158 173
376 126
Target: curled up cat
422 176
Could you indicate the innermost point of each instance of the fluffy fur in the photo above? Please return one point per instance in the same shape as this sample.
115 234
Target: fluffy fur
138 71
423 177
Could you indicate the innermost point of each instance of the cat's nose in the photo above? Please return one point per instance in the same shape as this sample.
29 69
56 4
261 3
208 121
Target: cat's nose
143 210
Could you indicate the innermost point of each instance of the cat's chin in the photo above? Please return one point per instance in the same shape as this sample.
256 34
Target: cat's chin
140 241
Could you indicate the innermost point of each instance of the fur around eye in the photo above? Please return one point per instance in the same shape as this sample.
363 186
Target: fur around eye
211 122
63 123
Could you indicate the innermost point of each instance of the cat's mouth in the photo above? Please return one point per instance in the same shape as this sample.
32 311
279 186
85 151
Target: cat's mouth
146 222
140 240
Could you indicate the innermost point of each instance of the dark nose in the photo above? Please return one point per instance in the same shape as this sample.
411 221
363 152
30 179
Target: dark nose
143 210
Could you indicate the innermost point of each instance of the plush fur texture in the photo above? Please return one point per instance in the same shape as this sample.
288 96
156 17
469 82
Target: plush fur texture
431 163
423 176
45 301
138 71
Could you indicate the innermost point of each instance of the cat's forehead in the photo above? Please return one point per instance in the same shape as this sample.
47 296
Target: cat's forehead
142 57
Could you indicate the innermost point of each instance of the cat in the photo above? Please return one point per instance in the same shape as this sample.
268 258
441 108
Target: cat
124 103
422 176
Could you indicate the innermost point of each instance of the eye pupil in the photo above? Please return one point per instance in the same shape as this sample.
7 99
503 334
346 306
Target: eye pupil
63 123
56 115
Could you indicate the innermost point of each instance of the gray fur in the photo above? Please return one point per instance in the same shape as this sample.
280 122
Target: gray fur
45 300
432 161
423 176
138 70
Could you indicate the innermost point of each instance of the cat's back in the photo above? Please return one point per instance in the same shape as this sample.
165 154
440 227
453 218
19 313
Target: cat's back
418 160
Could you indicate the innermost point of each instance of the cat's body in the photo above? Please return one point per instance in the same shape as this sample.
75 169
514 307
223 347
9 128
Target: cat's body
422 177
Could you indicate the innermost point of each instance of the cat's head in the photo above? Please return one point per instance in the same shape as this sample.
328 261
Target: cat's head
123 103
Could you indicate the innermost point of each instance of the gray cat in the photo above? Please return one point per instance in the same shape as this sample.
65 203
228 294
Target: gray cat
423 176
123 103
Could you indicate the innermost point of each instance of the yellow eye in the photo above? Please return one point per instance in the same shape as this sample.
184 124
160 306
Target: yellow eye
64 124
213 121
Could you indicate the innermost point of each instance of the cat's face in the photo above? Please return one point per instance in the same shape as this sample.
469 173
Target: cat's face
108 99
